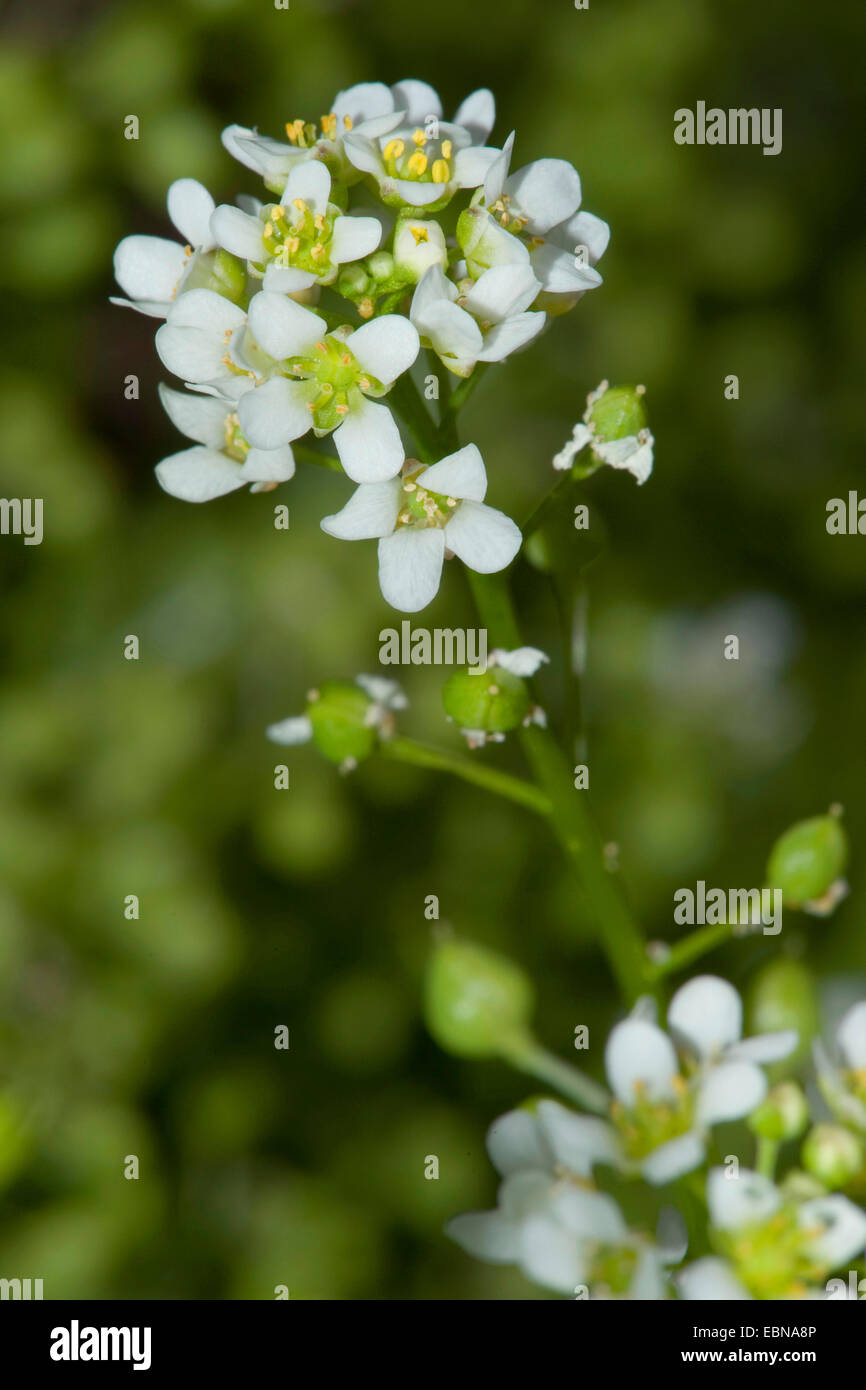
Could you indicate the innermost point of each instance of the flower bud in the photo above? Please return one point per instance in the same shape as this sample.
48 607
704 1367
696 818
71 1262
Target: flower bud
381 265
833 1155
417 246
342 728
476 1001
353 280
491 703
807 860
783 1114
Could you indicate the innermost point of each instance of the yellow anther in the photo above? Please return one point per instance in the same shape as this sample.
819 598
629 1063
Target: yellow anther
418 163
341 409
329 125
346 359
441 171
300 205
420 233
446 149
294 245
269 229
277 211
418 137
319 221
348 122
503 218
317 251
364 383
188 251
311 405
321 346
366 308
452 501
394 149
294 130
410 487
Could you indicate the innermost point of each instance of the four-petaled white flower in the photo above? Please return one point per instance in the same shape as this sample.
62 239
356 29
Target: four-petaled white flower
550 1221
151 270
303 239
633 452
484 320
825 1234
663 1116
205 341
420 517
222 460
324 383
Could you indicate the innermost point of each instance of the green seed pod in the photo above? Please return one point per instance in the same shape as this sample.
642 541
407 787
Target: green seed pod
782 1115
338 715
783 996
808 859
493 702
616 412
475 1001
833 1155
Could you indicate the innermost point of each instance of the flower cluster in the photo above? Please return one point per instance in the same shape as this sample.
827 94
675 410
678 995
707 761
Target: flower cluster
381 228
668 1090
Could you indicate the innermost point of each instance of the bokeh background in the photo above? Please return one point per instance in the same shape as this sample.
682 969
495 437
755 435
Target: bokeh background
305 908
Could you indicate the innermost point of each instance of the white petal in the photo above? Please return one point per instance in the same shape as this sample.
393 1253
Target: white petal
364 154
149 267
767 1047
311 182
433 286
417 99
501 291
729 1091
472 165
851 1036
268 465
274 414
560 273
282 327
710 1278
363 102
461 474
516 1141
640 1057
546 191
206 310
238 232
202 418
369 444
632 454
494 182
735 1202
387 693
511 336
452 332
671 1160
842 1226
523 661
198 475
353 238
153 308
488 1235
588 1215
477 113
485 539
190 207
385 347
414 194
285 279
551 1256
370 513
705 1015
578 1142
191 353
269 157
584 229
298 729
410 567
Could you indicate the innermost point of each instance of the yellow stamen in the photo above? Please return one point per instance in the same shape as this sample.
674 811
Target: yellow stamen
394 149
319 221
294 130
300 205
293 244
317 251
441 172
418 137
366 308
341 409
420 233
348 122
329 125
269 229
321 347
418 163
446 149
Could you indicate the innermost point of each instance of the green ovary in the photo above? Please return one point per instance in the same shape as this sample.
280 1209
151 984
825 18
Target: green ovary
235 445
772 1259
298 238
646 1125
336 383
421 508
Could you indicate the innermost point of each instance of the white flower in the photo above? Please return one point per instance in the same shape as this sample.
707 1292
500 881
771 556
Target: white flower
151 270
324 382
843 1083
303 239
421 516
633 452
541 201
222 460
480 321
418 245
663 1115
205 341
710 1278
385 694
549 1221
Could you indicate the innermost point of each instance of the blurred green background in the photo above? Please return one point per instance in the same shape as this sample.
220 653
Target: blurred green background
305 908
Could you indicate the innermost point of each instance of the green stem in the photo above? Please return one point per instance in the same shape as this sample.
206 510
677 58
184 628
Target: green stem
407 750
407 400
530 1057
550 499
767 1156
691 948
304 454
615 928
465 389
